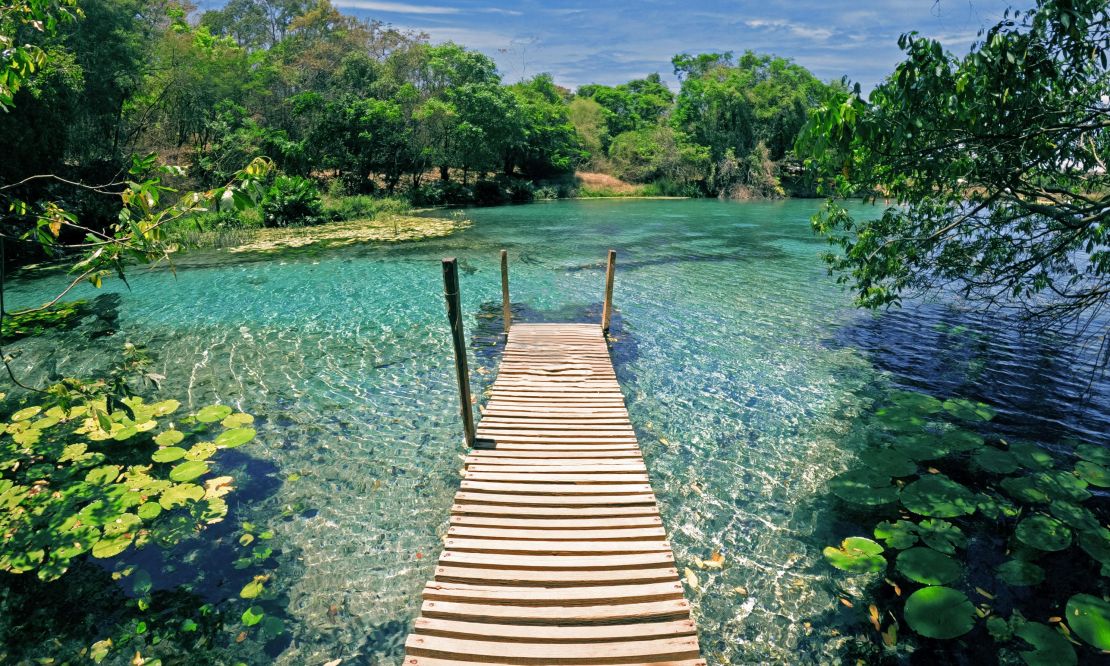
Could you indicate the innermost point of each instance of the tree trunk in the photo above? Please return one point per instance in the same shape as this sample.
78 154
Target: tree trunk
443 175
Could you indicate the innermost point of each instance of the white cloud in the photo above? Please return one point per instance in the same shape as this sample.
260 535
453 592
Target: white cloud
798 29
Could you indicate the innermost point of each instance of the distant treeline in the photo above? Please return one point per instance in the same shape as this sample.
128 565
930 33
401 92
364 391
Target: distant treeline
368 109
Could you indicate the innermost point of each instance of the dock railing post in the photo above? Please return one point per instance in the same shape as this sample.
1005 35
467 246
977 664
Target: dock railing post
607 310
454 318
506 308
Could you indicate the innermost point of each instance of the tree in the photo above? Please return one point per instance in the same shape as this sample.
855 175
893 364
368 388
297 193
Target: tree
548 144
658 153
635 105
588 119
996 162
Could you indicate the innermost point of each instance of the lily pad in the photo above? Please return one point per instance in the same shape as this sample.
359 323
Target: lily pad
254 588
860 487
149 510
168 437
1062 485
102 476
189 470
234 437
26 413
856 555
253 616
1031 456
888 462
900 534
921 446
1043 533
995 507
941 535
1100 455
900 419
180 494
938 496
201 451
916 401
1093 473
1050 648
1020 573
1077 516
995 460
968 410
961 440
939 612
237 420
213 413
273 627
165 407
168 454
925 565
1023 489
112 546
1089 617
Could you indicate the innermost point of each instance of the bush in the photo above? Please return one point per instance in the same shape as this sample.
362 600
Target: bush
292 200
363 207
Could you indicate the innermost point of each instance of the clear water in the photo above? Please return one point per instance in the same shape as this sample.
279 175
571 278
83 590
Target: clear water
743 364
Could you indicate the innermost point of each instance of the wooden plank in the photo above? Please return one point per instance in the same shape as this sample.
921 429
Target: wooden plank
551 534
457 661
539 596
670 609
528 652
550 477
545 467
553 578
558 562
605 523
505 488
511 546
564 510
466 497
556 634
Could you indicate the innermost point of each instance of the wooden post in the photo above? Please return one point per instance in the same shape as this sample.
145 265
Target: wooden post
506 308
607 310
454 318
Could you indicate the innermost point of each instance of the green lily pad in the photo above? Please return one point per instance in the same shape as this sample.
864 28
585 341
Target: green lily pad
189 470
1089 617
180 494
916 401
168 454
887 462
925 565
1031 456
900 534
1020 573
1077 516
1062 485
165 407
856 555
201 451
141 583
860 487
939 612
254 588
253 616
938 496
124 523
961 440
26 413
1099 455
234 437
1050 648
995 460
1096 543
1023 489
273 627
112 546
941 535
1043 533
921 446
237 420
149 510
968 410
995 507
213 413
1093 473
168 437
103 475
900 419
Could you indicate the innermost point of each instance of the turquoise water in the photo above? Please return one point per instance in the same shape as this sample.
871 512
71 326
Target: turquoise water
743 364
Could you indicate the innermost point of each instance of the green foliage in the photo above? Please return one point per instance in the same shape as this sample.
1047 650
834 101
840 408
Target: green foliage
69 487
995 162
35 322
940 612
657 154
292 201
856 555
363 207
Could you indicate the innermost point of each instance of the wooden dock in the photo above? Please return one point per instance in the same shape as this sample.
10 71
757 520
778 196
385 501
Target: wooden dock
556 553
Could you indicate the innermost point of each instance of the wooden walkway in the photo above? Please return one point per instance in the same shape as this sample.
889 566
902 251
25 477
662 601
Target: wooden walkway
556 553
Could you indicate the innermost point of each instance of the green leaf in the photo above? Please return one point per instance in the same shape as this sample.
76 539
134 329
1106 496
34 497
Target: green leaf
1043 533
1050 648
234 437
900 534
1062 485
887 462
856 555
111 546
863 488
968 410
938 496
961 440
1076 516
213 413
168 454
1093 473
180 494
1089 617
921 446
941 535
1023 489
1099 455
1020 573
253 616
189 470
141 583
925 565
1031 456
995 460
273 627
168 437
102 476
939 612
26 413
915 401
149 510
201 451
237 420
254 588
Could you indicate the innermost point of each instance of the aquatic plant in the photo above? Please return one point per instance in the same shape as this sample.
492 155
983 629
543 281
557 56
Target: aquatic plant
935 480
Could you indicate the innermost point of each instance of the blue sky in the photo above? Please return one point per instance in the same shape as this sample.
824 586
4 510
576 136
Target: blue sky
612 42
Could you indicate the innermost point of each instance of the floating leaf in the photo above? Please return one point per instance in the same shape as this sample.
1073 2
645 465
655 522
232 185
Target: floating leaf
1093 473
925 565
1089 617
887 462
1050 648
237 420
180 494
149 511
1062 485
254 588
273 627
26 413
1020 573
189 470
230 439
968 410
920 446
1078 517
1096 543
1043 533
691 578
900 534
1023 489
995 460
1100 455
941 535
995 507
168 437
168 454
939 612
213 413
856 555
201 451
165 407
860 487
1031 456
938 496
112 546
141 582
915 401
253 616
102 476
961 440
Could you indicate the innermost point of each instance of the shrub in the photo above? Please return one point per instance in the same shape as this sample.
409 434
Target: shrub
364 207
292 200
